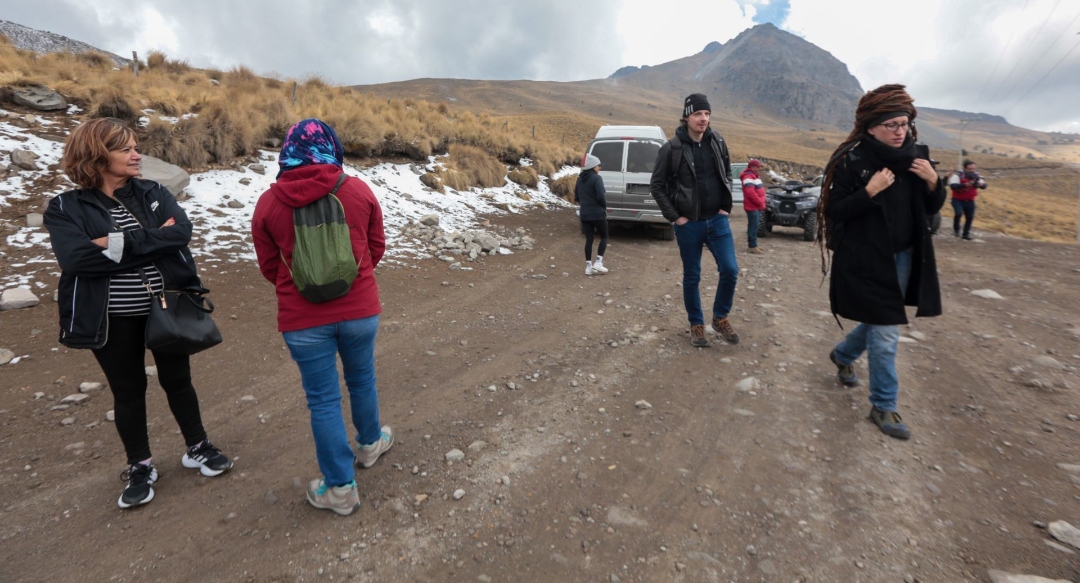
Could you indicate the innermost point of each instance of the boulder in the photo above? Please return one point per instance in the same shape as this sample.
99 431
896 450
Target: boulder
172 177
431 220
258 168
24 159
34 220
39 98
17 298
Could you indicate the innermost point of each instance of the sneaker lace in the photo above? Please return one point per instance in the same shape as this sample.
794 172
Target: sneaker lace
698 331
894 418
136 474
207 450
725 327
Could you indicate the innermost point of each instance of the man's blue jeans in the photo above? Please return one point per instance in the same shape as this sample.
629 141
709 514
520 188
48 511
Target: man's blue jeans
752 220
714 233
879 343
315 351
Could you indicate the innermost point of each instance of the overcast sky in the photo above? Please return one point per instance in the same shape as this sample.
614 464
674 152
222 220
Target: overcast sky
1015 58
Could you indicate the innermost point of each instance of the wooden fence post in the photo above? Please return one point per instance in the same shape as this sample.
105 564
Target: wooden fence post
294 92
135 62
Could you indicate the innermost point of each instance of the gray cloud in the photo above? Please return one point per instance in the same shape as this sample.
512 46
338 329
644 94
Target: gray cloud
376 41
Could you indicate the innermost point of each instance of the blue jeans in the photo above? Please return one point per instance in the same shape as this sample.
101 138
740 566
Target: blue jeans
752 220
714 233
879 343
315 351
966 209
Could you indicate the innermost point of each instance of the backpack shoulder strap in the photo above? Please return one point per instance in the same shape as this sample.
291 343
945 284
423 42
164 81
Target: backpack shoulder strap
676 155
340 181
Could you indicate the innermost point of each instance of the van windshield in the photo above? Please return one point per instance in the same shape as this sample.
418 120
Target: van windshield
642 156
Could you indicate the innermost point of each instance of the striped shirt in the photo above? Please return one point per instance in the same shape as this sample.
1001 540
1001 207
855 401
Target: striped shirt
127 294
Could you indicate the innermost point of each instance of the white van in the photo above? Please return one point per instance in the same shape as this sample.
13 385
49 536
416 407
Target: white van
627 156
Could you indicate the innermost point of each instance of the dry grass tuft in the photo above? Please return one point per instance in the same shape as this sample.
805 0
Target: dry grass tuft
113 103
525 176
468 166
431 180
564 187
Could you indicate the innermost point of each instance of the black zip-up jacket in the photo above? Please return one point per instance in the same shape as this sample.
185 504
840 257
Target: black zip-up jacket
590 194
76 217
673 188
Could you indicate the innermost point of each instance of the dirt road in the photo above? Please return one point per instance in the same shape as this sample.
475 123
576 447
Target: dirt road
600 446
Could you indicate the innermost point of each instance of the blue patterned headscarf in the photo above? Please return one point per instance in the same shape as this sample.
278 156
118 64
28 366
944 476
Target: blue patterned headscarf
310 142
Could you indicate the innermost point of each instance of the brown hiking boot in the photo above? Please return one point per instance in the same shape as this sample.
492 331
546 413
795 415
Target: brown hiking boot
724 329
697 336
755 250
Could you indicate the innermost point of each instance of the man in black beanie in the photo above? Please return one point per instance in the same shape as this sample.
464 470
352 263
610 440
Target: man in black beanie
691 182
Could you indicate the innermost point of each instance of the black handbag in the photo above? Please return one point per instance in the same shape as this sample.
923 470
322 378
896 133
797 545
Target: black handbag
180 322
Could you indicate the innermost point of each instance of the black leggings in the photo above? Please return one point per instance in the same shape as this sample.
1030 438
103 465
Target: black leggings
122 359
588 228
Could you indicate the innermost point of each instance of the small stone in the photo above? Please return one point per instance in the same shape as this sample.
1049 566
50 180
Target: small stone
459 494
987 294
17 298
6 356
110 415
151 371
248 398
39 395
455 455
478 445
68 421
75 399
505 480
89 387
750 550
492 388
747 385
643 404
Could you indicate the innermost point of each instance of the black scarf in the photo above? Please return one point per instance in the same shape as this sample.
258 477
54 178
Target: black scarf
895 159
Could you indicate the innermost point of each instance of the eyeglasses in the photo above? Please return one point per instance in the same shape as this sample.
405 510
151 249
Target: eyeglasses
895 125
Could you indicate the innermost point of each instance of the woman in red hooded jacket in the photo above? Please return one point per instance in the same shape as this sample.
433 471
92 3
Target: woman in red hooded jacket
311 164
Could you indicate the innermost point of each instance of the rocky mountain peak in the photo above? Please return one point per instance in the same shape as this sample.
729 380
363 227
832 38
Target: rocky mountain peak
41 41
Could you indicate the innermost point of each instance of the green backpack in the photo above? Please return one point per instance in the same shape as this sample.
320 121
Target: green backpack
324 266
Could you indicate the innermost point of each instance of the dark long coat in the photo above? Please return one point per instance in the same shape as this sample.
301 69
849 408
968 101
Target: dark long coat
863 285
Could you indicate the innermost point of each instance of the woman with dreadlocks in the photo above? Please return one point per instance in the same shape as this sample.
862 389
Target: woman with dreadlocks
879 187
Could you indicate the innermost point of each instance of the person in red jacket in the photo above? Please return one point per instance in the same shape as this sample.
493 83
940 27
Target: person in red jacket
311 163
964 185
753 201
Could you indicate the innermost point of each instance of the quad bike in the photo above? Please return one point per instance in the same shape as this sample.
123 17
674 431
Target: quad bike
792 204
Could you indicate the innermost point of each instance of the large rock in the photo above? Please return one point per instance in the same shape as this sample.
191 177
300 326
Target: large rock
24 159
1065 532
39 98
172 177
17 298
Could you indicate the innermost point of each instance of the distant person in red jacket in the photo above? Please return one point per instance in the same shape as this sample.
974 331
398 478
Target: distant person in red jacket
311 163
753 202
965 185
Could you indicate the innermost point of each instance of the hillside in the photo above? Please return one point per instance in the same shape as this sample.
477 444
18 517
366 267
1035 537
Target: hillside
43 41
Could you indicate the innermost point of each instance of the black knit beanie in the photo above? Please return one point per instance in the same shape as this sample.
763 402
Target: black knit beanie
695 102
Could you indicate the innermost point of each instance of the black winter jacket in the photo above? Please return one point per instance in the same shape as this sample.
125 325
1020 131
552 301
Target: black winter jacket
590 194
863 286
76 217
673 188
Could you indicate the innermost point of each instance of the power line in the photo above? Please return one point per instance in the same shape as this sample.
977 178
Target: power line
1048 48
997 61
1031 88
1017 62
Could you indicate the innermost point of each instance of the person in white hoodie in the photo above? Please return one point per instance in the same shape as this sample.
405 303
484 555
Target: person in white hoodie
589 193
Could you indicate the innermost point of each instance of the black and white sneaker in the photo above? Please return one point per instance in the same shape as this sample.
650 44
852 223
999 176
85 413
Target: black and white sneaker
207 458
138 492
